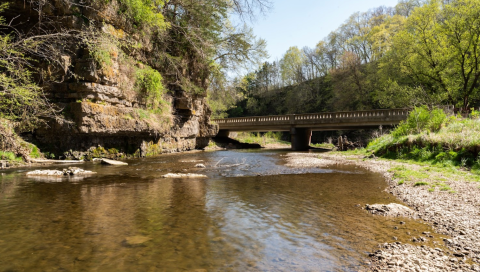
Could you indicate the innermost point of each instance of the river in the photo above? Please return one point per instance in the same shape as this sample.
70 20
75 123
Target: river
252 213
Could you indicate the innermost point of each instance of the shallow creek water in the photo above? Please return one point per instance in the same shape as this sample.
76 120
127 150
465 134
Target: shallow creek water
252 213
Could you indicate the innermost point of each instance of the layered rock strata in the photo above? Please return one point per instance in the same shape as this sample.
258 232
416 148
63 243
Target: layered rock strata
101 113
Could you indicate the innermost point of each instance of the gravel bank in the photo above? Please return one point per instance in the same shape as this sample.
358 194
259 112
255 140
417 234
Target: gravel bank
455 213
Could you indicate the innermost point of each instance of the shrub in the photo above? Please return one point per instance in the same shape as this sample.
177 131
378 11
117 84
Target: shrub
421 120
149 83
9 156
144 12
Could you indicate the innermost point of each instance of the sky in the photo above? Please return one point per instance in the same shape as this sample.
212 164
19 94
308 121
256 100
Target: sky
305 22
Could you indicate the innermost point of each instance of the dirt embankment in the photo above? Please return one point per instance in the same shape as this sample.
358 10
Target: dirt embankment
455 213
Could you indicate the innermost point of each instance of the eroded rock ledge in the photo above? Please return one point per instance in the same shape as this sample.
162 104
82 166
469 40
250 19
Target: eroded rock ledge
102 113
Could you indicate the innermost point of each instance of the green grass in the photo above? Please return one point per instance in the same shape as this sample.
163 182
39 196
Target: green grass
358 151
35 153
404 173
323 145
9 156
258 138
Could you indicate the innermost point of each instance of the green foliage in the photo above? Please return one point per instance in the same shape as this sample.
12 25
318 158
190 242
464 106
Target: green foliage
149 83
143 114
144 12
21 99
291 65
141 13
35 153
474 114
9 156
421 120
103 51
436 48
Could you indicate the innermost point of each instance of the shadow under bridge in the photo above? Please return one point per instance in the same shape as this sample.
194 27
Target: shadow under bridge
301 126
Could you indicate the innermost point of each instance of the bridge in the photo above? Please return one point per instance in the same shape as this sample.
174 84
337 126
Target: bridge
301 126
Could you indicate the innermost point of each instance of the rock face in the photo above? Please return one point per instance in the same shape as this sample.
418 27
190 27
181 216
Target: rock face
104 115
101 128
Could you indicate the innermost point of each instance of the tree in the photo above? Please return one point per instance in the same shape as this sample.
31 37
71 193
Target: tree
438 48
22 100
291 66
405 7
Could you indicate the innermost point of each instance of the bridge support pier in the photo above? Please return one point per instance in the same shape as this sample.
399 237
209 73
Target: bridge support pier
301 138
223 133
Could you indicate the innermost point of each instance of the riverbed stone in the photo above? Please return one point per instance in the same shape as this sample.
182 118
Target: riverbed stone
57 173
136 241
392 209
189 175
113 162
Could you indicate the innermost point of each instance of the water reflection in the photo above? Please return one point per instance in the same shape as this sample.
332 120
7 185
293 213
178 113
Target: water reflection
129 219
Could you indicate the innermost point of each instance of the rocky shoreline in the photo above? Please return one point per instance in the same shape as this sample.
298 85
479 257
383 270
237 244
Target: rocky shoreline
455 214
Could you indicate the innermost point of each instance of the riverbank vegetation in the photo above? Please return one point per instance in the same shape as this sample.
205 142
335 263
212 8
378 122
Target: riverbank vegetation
13 148
431 138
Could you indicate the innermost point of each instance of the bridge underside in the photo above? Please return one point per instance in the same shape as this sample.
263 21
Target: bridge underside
300 136
301 126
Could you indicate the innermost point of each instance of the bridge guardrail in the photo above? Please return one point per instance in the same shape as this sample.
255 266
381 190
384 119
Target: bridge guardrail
324 116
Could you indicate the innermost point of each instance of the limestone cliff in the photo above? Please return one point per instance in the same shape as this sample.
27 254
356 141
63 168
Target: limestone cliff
100 112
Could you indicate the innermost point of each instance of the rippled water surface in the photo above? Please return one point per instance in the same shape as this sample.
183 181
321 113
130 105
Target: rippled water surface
252 213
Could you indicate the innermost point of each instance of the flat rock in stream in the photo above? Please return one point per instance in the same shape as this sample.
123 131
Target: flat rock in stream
113 162
135 241
392 209
171 175
71 171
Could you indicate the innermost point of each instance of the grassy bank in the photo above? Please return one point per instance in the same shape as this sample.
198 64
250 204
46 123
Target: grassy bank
442 144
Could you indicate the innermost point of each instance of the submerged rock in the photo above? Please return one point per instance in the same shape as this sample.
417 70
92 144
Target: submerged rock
192 161
392 209
200 165
57 173
113 162
171 175
136 241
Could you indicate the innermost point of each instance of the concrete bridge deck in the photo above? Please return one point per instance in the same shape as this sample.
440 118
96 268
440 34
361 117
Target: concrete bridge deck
301 125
